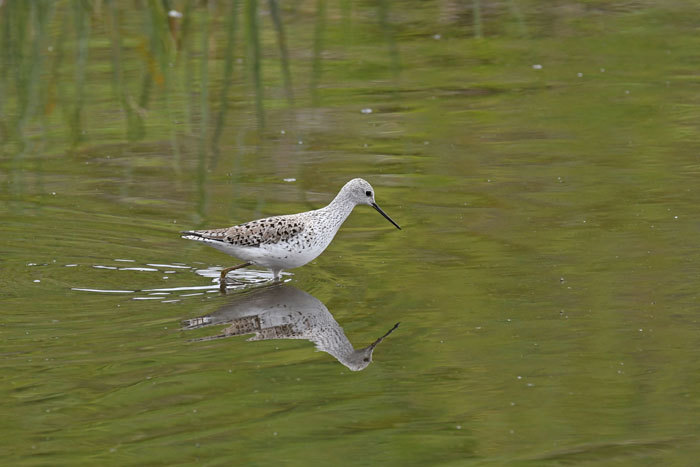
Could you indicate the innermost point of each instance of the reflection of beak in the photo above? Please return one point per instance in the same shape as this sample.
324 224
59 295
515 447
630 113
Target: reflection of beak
374 205
376 343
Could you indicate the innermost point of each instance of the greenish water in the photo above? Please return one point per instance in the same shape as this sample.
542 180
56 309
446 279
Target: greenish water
541 158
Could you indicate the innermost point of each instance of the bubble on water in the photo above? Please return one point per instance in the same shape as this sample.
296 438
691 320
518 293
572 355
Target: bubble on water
366 110
580 75
437 37
290 180
536 66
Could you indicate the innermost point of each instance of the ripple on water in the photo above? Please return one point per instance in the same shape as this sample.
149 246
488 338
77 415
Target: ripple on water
242 279
173 266
139 269
101 290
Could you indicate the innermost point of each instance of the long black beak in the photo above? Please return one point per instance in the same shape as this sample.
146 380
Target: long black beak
374 205
375 343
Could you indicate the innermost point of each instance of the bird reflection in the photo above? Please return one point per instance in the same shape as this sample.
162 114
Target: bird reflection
285 312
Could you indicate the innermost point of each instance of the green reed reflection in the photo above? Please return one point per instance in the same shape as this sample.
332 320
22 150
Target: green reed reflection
229 59
254 56
82 34
284 51
318 49
160 64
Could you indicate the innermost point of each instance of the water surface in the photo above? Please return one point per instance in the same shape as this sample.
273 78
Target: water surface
541 159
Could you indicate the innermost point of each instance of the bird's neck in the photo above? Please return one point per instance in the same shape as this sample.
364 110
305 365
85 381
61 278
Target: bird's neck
338 210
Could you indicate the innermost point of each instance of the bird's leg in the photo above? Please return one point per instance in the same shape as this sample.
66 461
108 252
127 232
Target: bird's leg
222 280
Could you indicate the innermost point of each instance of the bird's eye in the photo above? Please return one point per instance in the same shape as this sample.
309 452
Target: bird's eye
366 359
368 193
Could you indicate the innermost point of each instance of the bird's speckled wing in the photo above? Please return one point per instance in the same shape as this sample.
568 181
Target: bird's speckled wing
270 230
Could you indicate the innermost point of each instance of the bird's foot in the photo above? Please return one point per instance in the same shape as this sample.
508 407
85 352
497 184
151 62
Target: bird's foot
222 277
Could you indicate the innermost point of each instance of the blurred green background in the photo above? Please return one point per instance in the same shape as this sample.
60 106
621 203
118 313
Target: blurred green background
541 157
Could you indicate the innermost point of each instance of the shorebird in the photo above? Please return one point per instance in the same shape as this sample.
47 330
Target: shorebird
289 241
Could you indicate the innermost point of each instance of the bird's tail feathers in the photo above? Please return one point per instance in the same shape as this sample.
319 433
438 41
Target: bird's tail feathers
216 235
